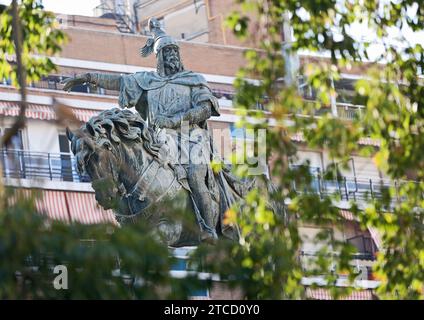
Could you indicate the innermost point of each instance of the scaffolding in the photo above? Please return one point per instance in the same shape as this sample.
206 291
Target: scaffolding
123 11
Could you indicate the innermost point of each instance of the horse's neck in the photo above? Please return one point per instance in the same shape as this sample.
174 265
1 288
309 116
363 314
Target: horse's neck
134 162
147 176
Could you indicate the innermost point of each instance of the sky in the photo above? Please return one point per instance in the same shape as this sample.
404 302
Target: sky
79 7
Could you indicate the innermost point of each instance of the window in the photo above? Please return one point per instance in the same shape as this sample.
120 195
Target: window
241 133
7 81
16 140
65 158
364 245
179 265
314 159
184 264
199 293
13 156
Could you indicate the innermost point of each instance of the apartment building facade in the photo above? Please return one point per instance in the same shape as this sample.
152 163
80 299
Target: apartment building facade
40 157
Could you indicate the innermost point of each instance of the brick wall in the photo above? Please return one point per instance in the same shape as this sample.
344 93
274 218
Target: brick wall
221 291
217 11
124 49
90 40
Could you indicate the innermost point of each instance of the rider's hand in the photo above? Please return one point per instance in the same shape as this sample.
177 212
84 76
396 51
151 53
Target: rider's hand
72 82
165 122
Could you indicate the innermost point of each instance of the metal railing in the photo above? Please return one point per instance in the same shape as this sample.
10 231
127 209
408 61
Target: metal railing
21 164
359 261
349 188
344 110
53 83
349 111
359 255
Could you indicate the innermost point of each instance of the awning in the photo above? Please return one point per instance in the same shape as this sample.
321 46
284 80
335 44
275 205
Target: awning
375 235
53 204
348 215
324 294
42 112
69 206
84 208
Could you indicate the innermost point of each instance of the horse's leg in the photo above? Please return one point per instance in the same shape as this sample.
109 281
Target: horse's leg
172 218
190 231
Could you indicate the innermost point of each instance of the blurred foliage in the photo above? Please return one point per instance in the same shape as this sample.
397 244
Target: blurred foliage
102 261
41 37
266 262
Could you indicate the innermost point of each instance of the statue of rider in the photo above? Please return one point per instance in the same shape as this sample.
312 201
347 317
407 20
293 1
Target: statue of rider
179 102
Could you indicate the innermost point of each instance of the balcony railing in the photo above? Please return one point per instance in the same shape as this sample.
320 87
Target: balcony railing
360 262
53 83
344 110
21 164
349 188
359 255
349 111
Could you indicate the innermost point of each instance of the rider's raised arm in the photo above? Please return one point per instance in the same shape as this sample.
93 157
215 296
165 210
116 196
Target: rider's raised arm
104 80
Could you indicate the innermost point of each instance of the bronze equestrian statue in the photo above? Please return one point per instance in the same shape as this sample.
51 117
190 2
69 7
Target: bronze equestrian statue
137 160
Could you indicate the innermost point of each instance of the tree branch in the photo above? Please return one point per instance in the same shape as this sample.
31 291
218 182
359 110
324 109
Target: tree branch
21 74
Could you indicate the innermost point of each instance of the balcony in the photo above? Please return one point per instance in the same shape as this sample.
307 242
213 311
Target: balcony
21 164
348 188
53 83
352 188
349 111
344 110
362 263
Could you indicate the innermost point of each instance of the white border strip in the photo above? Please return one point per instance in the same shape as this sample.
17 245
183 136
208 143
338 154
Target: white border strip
49 184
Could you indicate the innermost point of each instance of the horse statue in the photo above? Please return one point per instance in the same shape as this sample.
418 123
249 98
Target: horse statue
132 173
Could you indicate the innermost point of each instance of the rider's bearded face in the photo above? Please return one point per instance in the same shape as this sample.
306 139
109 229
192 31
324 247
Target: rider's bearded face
171 60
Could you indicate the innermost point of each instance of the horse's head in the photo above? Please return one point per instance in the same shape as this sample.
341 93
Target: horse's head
110 149
98 159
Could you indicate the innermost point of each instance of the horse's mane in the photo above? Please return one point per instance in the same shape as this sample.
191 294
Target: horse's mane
118 125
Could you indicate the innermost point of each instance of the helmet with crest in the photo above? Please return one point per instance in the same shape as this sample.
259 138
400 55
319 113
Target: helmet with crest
158 40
